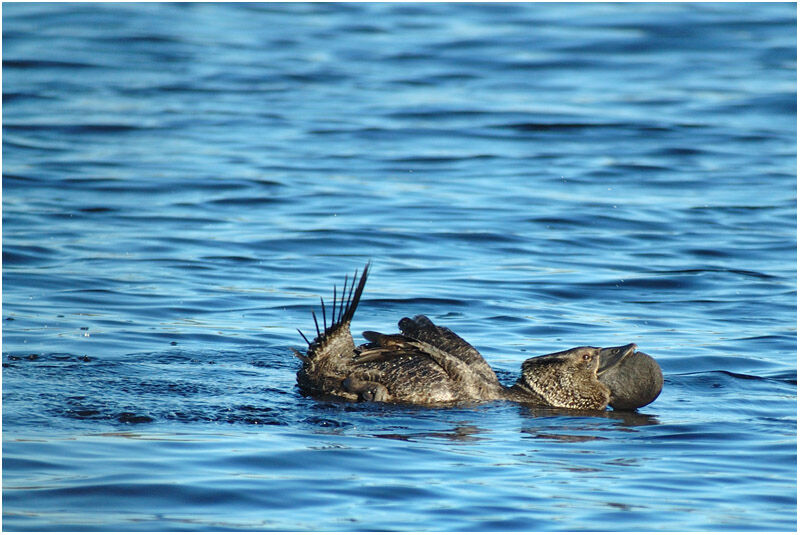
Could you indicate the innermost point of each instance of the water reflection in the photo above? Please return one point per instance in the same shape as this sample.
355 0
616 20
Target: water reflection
570 429
623 419
561 437
461 433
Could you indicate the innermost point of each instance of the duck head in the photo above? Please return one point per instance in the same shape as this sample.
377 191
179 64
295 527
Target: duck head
634 378
566 379
593 378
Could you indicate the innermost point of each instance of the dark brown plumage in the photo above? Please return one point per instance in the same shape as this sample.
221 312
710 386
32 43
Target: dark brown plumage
426 364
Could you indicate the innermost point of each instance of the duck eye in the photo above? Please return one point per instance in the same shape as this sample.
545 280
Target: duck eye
587 357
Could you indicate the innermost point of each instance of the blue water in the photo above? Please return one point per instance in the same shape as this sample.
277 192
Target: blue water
182 182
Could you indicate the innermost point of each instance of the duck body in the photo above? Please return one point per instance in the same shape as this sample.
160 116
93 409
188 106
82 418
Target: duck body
427 364
399 368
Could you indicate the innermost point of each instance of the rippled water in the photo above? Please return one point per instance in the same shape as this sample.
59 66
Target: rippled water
181 183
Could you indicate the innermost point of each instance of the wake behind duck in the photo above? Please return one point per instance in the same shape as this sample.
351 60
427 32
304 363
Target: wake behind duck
427 364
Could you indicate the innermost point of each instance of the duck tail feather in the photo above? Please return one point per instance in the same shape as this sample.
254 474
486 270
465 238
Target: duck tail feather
350 294
304 337
352 305
336 334
333 309
316 324
299 355
324 320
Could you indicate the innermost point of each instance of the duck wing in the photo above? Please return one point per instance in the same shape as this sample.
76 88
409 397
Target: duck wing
467 383
423 329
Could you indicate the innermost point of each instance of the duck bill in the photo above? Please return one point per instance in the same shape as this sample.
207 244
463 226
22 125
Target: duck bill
634 378
611 357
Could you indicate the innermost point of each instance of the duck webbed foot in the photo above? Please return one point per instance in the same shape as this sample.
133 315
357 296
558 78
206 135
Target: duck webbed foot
366 389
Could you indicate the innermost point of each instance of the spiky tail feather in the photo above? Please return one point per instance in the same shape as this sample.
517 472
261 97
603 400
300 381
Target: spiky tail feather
329 356
341 315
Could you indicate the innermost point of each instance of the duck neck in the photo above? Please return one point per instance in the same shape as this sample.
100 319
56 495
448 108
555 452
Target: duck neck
520 392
